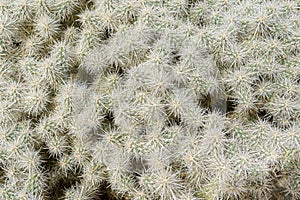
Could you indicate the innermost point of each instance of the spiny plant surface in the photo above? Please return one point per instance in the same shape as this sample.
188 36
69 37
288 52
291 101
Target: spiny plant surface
149 99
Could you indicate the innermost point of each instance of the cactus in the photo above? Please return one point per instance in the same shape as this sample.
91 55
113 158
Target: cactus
149 99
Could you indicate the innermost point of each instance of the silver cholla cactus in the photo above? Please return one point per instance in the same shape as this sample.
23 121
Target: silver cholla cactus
150 99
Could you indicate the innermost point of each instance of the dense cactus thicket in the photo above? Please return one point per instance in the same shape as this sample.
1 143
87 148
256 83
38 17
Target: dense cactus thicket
150 99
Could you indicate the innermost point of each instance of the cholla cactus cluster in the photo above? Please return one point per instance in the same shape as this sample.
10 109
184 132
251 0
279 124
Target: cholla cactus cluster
149 99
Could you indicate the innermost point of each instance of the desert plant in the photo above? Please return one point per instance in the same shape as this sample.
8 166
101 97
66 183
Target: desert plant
149 99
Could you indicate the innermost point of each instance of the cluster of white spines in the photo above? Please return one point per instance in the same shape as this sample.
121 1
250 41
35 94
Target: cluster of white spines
149 99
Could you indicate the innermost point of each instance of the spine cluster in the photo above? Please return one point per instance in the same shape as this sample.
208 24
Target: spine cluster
149 99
